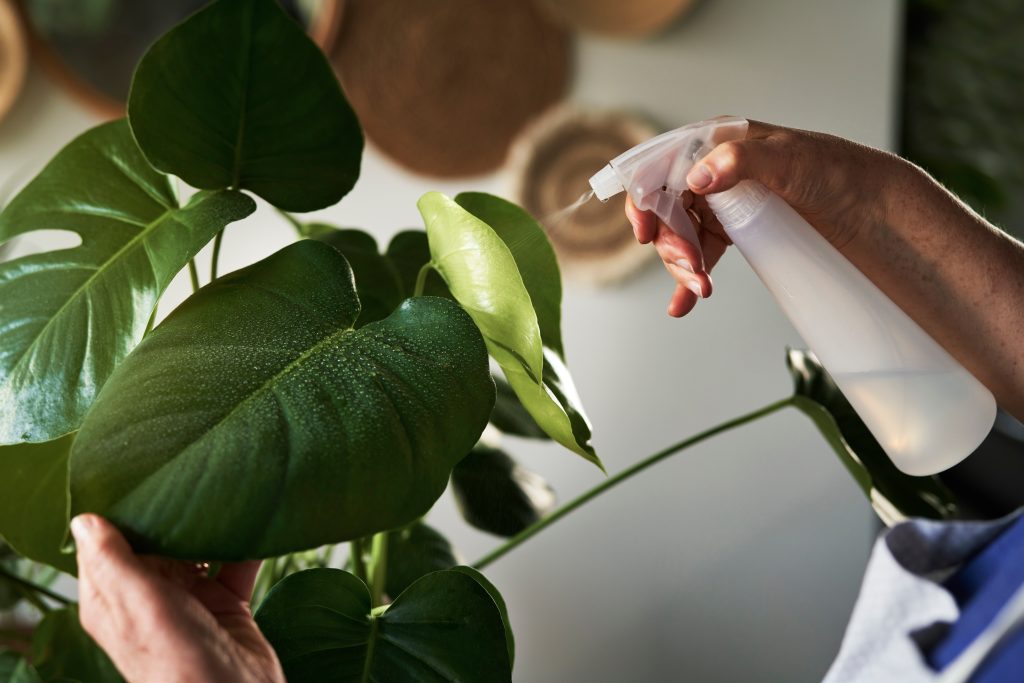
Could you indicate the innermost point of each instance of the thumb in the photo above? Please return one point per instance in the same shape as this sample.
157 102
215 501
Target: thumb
103 553
730 162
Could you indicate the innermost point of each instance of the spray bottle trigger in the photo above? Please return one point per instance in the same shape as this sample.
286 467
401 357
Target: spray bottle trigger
670 208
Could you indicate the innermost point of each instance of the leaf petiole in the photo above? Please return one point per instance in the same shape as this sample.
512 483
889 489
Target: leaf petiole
215 258
380 568
6 575
193 275
421 278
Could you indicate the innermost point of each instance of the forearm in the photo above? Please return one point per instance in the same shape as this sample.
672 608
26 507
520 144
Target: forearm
958 276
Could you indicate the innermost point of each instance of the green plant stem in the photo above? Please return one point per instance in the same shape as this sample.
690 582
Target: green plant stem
33 599
152 321
216 254
193 275
25 583
295 222
421 278
358 549
542 524
380 568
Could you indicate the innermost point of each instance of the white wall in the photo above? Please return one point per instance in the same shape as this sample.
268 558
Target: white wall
740 559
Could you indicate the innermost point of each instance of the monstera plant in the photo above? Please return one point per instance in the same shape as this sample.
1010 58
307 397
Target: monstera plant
326 394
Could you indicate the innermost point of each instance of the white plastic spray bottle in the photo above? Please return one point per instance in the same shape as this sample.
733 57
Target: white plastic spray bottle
922 406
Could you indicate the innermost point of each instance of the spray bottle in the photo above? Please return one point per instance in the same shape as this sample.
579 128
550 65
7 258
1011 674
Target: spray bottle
922 406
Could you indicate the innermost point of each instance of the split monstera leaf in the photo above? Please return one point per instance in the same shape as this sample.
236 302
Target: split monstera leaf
326 393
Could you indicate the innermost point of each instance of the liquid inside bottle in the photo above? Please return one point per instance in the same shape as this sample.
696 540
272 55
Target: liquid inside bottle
922 406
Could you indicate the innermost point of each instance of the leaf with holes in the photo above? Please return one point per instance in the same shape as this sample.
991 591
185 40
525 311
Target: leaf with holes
68 317
256 420
450 625
238 96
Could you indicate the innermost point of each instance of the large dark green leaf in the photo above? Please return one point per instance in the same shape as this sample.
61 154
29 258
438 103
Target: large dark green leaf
16 669
256 421
34 500
238 96
446 627
893 494
416 551
495 494
68 317
61 650
484 274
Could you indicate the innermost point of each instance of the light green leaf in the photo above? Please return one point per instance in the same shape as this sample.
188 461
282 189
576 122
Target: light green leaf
495 494
534 256
445 627
416 551
482 273
238 96
62 650
894 495
34 500
256 421
68 317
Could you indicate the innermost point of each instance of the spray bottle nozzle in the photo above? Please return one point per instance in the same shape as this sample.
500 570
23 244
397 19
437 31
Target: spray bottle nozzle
606 183
654 172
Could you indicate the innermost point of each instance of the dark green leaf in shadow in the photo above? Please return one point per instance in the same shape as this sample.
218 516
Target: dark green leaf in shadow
447 626
256 421
484 276
495 494
414 552
62 650
499 602
68 317
16 669
509 415
34 500
377 281
238 96
409 252
893 494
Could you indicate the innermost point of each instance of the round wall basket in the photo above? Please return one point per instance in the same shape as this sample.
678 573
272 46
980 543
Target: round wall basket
443 87
91 48
551 165
13 56
619 18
